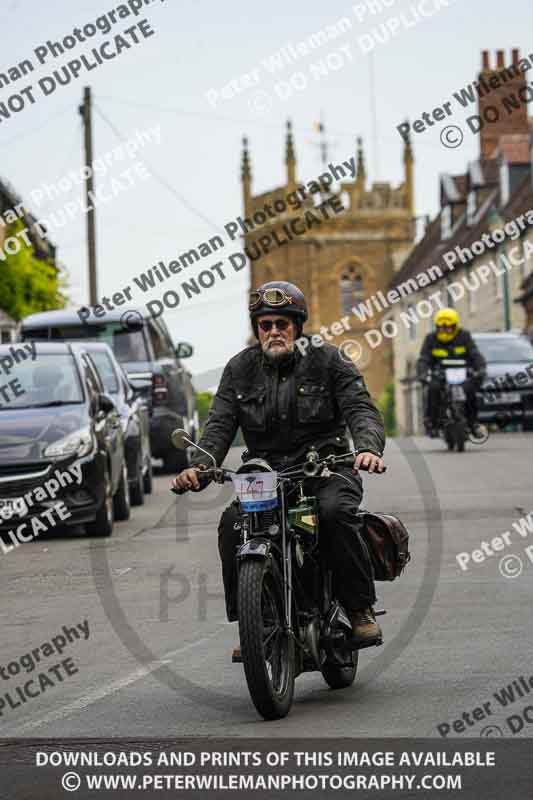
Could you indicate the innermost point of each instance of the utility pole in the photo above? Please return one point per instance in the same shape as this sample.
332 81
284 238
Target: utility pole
86 114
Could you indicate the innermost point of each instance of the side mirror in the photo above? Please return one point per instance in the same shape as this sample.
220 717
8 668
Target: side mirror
184 350
178 439
140 386
106 404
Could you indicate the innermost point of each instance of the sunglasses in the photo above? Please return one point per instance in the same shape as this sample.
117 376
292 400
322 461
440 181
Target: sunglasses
446 328
266 325
271 297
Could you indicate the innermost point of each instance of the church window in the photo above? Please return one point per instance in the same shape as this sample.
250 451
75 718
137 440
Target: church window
352 289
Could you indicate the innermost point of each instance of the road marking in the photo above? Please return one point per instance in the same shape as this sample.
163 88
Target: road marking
99 694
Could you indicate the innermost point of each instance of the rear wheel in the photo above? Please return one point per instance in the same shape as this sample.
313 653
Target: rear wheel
267 651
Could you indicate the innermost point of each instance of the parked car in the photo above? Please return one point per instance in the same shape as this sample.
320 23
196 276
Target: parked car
61 416
144 348
134 412
507 392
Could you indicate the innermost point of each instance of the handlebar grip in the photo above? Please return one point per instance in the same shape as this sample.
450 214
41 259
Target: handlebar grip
348 461
203 480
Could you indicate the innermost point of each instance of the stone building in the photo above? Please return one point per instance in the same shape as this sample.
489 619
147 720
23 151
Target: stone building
348 256
479 246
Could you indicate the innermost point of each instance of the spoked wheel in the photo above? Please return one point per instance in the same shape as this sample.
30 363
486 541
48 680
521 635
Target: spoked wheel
267 652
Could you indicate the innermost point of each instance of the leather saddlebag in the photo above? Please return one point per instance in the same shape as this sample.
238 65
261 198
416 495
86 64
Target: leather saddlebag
387 540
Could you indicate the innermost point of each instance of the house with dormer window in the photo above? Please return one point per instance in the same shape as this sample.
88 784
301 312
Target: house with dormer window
482 240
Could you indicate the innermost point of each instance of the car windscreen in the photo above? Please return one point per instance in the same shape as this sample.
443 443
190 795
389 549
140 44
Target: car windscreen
504 349
49 380
103 364
127 345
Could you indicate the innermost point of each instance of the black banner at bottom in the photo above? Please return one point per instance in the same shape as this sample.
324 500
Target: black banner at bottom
266 768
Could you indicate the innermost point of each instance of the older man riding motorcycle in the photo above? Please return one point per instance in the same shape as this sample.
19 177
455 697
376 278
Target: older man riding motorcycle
286 399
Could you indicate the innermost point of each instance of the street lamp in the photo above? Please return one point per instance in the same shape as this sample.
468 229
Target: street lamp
496 222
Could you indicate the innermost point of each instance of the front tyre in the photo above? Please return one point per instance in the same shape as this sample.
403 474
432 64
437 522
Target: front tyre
267 652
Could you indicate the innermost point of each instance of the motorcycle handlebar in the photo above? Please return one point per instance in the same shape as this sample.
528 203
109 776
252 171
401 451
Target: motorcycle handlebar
205 476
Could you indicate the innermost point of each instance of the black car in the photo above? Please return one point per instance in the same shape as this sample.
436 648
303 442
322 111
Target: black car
507 392
144 348
56 419
134 412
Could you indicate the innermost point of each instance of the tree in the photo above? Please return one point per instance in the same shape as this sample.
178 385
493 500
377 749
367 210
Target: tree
387 406
28 284
203 404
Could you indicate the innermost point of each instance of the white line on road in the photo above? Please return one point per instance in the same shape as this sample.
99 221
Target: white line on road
99 694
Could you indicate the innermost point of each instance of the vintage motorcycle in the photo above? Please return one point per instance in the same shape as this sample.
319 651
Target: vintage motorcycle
452 374
290 622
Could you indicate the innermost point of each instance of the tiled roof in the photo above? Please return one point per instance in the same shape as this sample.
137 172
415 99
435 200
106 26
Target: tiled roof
430 248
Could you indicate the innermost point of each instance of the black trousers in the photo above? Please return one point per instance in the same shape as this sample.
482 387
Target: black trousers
341 546
433 405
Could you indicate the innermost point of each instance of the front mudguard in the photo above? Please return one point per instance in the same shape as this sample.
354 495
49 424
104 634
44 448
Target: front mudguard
257 547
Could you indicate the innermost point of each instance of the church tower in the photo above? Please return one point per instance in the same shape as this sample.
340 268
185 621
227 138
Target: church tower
345 260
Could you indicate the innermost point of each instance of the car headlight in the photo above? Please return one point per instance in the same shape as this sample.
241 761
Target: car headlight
80 443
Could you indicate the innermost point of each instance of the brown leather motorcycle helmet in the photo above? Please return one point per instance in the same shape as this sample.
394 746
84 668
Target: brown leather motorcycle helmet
278 297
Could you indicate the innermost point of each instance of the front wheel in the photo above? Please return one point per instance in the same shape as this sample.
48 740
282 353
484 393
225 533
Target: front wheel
103 524
267 651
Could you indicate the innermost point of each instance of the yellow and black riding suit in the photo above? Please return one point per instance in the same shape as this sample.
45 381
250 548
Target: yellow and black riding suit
462 346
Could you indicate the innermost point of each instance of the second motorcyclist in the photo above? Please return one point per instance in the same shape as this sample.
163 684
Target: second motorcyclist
449 341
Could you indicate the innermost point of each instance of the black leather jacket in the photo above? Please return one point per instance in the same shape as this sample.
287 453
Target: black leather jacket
283 410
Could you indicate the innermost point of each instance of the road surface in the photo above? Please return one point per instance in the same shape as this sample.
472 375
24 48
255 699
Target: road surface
157 658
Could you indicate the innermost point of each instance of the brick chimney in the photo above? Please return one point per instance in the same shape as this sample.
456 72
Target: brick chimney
510 81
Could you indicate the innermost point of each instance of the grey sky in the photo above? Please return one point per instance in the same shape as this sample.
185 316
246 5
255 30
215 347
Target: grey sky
200 46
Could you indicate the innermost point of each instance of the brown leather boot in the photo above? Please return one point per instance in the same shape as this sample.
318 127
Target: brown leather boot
364 625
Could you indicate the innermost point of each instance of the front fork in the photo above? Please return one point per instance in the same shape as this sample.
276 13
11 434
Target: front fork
287 568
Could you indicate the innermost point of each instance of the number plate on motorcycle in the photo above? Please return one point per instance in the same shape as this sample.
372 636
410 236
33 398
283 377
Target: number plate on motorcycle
503 397
257 491
455 375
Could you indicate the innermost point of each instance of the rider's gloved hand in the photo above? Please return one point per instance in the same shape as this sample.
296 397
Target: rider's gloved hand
370 462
